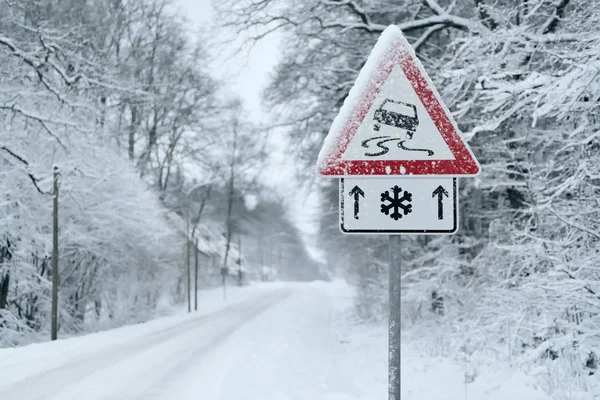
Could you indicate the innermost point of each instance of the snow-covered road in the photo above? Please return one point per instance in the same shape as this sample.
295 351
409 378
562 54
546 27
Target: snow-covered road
275 341
276 345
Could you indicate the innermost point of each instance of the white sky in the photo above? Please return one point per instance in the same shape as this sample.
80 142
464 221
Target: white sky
247 74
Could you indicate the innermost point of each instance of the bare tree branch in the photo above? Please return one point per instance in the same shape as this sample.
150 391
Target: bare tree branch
34 180
574 225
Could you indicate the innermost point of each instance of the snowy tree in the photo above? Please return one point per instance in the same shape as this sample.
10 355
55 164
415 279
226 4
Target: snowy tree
521 78
63 86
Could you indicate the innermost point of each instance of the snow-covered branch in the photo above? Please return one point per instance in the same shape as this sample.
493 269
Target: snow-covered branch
33 179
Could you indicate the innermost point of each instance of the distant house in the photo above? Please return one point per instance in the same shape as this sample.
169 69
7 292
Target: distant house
218 244
211 251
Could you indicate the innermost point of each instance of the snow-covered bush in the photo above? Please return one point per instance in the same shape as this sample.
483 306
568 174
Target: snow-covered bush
117 254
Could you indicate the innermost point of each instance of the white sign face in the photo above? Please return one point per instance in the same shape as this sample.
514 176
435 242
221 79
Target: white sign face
397 127
399 205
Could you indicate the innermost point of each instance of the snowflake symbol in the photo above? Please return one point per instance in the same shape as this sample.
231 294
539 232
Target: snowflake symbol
396 203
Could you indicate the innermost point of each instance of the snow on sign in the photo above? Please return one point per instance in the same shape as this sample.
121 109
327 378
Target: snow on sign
396 205
394 122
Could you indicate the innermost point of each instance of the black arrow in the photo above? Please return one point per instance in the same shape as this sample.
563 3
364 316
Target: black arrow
356 192
440 192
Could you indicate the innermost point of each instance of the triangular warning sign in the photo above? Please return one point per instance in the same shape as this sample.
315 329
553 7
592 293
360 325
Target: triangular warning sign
394 122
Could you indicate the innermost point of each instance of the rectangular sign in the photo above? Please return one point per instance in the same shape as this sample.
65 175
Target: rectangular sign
399 205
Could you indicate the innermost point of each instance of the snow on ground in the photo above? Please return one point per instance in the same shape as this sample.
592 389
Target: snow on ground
19 363
423 376
443 379
267 342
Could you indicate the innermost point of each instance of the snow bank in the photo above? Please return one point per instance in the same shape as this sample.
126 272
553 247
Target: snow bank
423 376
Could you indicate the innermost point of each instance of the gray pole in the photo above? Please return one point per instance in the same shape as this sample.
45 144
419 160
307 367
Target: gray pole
240 274
394 318
187 260
196 278
54 327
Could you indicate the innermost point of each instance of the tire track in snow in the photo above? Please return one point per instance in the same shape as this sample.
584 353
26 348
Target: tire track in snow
80 377
161 386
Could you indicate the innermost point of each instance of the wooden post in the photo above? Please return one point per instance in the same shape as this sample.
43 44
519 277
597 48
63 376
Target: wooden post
54 312
187 260
240 272
196 278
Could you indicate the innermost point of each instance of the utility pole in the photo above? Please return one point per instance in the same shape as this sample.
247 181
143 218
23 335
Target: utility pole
229 221
187 258
189 237
270 252
54 327
279 259
196 278
240 273
394 317
224 274
259 245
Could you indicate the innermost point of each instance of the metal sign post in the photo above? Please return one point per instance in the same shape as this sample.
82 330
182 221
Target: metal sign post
397 152
394 318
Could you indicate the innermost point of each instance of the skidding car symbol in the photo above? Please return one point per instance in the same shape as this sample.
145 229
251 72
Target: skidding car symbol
397 114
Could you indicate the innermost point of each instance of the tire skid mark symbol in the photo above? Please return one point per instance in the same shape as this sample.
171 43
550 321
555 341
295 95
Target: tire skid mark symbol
402 147
380 144
384 149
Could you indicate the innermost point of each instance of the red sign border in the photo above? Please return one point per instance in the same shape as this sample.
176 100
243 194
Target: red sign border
464 162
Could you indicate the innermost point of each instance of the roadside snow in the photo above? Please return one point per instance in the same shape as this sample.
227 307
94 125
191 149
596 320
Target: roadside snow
423 376
18 363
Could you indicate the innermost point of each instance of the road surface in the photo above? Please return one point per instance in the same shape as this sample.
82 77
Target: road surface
266 342
278 345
